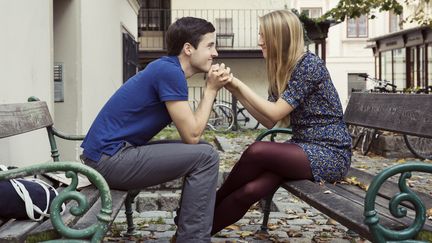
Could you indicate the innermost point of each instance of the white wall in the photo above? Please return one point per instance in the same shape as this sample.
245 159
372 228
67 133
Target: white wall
88 41
67 51
25 70
102 22
85 36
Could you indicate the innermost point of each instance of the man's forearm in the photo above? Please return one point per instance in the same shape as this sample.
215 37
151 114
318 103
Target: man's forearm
202 113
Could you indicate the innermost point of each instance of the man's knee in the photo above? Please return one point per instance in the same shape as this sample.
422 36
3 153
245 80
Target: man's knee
206 157
212 156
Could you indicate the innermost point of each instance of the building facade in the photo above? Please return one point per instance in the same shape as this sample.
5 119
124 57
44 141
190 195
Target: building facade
67 53
346 49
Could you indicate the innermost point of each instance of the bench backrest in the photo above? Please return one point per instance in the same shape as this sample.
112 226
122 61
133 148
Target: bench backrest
402 113
23 117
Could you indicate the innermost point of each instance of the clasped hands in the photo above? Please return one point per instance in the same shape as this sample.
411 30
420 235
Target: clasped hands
219 75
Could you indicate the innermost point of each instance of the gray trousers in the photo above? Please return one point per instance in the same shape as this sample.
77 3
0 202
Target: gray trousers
158 162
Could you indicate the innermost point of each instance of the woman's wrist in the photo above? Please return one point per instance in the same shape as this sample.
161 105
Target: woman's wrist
233 85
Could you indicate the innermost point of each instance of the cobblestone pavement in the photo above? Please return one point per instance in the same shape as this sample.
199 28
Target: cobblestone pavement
296 221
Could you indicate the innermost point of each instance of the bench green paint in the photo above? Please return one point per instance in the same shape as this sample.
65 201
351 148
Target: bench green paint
89 211
387 211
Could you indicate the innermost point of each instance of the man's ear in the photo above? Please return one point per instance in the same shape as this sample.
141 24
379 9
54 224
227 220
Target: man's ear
187 48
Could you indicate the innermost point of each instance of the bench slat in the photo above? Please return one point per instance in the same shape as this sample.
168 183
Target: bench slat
47 231
23 117
348 211
118 198
381 205
389 188
15 230
402 113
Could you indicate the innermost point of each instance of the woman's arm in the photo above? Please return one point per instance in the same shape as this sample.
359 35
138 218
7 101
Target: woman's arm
266 112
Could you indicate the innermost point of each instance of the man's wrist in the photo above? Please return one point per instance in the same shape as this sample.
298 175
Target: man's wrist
210 91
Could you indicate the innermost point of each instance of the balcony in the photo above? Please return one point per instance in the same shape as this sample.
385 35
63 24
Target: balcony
236 30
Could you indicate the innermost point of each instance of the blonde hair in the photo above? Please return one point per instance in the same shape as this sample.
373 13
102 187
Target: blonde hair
283 36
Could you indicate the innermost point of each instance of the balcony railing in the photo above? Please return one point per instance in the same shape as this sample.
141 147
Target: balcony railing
235 28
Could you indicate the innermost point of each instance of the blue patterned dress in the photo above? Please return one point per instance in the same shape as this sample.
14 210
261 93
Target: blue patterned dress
317 119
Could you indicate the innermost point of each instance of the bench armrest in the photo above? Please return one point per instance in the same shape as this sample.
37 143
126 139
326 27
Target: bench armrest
67 136
381 233
273 132
96 231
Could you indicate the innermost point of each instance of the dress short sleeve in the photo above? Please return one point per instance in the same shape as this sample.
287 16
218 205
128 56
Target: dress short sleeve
306 78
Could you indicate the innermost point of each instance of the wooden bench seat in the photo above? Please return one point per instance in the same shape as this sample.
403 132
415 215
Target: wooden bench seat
373 206
98 205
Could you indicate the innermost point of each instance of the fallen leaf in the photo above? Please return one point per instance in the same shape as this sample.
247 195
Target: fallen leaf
331 221
261 236
353 181
244 234
294 234
232 227
429 212
273 226
327 192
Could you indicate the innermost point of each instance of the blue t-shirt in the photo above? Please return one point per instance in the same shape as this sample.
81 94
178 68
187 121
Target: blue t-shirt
137 112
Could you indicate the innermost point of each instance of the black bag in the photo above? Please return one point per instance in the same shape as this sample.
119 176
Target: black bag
13 206
25 198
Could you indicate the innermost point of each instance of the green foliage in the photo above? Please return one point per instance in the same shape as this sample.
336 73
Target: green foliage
356 8
425 236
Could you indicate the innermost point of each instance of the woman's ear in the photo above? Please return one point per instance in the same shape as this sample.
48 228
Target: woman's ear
187 48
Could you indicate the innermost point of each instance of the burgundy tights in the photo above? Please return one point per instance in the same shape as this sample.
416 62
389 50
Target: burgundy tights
259 172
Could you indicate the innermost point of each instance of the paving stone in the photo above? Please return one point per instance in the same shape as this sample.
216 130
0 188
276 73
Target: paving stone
165 234
159 227
155 214
168 201
279 234
300 222
146 201
251 228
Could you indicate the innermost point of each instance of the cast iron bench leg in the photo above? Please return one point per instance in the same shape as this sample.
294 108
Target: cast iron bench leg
128 206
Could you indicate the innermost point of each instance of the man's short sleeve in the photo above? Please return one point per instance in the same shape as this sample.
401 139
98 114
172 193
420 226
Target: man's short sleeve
172 85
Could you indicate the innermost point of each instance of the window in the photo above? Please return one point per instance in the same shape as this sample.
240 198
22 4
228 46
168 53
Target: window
399 70
358 27
429 64
386 66
224 25
312 13
224 32
394 22
154 15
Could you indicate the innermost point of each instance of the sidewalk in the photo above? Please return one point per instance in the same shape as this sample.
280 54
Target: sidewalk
293 221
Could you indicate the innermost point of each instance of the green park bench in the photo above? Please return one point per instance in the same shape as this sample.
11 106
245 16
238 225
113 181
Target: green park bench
98 206
374 207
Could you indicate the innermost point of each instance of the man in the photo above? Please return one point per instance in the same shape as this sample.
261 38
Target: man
117 144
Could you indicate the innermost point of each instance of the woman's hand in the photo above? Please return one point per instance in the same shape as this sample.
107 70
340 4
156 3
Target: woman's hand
218 76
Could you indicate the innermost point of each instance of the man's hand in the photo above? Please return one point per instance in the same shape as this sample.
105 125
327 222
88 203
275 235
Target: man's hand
218 76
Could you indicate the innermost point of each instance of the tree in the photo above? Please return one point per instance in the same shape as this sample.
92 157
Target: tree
355 8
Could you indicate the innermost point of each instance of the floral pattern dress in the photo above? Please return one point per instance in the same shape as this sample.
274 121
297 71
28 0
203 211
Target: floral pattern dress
317 119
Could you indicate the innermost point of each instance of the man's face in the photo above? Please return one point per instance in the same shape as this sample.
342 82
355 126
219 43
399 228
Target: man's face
202 57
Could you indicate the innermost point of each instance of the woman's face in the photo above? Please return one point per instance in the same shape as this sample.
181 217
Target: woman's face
261 43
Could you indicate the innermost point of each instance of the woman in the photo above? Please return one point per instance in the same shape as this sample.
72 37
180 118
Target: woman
302 94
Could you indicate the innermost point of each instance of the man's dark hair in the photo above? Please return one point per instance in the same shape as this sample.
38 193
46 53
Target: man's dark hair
186 29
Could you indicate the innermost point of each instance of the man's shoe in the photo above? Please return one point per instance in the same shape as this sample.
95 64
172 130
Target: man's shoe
173 238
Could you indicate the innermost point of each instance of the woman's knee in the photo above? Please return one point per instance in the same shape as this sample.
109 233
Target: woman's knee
247 195
255 151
